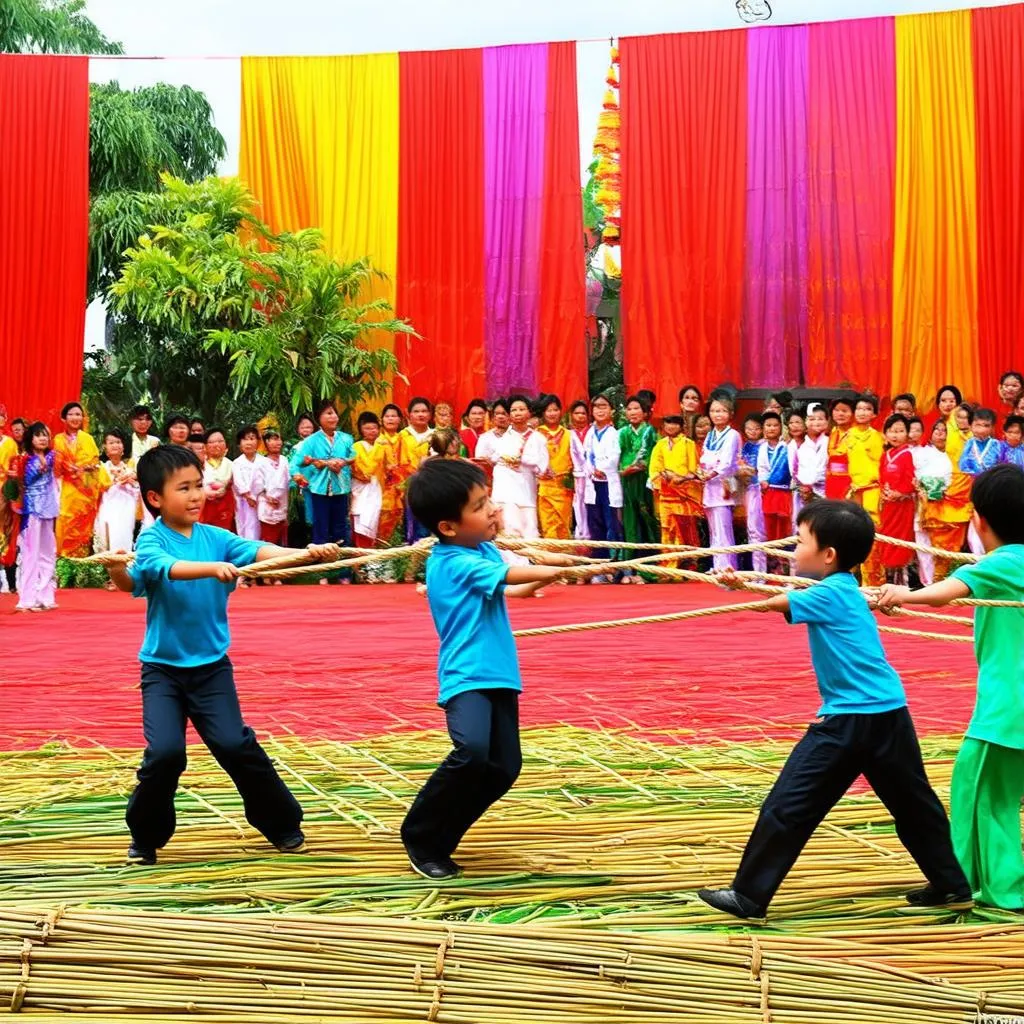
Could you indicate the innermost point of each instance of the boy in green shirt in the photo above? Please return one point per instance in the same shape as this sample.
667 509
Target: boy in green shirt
988 777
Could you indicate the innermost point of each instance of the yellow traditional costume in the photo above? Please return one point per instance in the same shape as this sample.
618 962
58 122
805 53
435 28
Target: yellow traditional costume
78 461
866 446
392 507
679 506
555 490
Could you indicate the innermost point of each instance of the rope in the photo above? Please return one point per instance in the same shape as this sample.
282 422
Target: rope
949 556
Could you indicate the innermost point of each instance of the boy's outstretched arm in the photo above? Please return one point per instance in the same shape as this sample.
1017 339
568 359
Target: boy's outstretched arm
778 603
935 596
319 552
526 580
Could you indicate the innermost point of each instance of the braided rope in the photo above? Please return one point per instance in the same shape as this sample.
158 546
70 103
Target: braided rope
949 556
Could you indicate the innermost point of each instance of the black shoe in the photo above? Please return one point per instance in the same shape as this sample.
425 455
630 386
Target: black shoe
929 896
295 843
140 855
729 901
438 870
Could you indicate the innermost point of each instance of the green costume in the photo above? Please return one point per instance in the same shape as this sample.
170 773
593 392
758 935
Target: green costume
988 777
638 520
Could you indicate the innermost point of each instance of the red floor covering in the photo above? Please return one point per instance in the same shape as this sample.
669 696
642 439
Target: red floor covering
344 662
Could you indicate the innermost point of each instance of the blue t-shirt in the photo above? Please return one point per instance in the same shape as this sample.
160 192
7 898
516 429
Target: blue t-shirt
854 677
186 620
318 446
466 593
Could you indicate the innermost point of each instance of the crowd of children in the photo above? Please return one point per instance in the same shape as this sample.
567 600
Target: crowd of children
700 481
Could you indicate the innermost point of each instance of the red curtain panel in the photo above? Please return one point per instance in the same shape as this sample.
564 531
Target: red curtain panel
684 144
562 347
441 226
998 43
44 225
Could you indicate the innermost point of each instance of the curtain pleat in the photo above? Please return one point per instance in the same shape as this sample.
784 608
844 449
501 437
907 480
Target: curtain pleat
562 349
851 157
44 231
441 225
935 261
998 38
775 280
684 143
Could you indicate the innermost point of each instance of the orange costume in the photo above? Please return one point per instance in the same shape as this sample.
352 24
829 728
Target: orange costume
865 447
947 520
392 509
78 461
555 490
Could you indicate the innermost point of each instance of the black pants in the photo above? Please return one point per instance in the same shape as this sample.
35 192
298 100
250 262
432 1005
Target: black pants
330 519
821 768
484 763
206 696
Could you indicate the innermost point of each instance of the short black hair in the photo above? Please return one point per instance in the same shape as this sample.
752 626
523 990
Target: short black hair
269 433
673 418
579 404
951 388
309 416
636 398
197 437
216 430
31 431
192 422
842 525
647 398
419 400
545 400
841 400
365 417
896 417
1013 421
998 498
500 403
1011 373
512 399
769 415
140 410
120 435
690 387
158 465
983 414
322 406
246 431
906 396
439 490
474 403
174 420
753 417
871 400
67 408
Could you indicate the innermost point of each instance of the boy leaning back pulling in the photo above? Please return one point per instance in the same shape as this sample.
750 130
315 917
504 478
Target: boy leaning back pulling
863 726
988 777
477 665
186 571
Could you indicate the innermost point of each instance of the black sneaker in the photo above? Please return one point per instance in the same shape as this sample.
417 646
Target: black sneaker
929 896
295 843
729 901
140 855
436 870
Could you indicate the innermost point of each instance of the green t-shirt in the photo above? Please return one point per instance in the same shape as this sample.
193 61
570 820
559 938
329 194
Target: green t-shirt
636 445
999 646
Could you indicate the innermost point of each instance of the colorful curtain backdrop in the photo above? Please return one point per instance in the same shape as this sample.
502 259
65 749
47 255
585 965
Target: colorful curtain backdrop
44 225
319 148
998 37
833 204
851 161
450 170
684 146
935 259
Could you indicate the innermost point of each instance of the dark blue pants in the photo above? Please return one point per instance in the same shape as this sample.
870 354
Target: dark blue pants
822 767
206 696
604 522
330 519
484 763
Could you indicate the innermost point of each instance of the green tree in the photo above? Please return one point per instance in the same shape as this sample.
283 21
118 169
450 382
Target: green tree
50 26
276 311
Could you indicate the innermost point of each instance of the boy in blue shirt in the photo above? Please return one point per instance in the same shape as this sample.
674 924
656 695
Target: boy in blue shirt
186 571
477 665
863 727
988 777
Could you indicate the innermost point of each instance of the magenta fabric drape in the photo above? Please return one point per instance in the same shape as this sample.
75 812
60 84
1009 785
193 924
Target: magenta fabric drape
852 143
515 95
775 281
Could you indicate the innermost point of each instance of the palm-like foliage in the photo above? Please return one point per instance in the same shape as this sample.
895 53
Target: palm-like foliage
290 320
50 26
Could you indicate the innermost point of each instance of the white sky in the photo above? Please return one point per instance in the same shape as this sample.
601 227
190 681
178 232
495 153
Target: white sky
191 29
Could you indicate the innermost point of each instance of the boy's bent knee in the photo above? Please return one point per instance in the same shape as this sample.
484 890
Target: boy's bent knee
167 760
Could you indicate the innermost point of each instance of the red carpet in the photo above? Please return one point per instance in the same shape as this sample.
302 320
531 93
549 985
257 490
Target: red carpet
343 662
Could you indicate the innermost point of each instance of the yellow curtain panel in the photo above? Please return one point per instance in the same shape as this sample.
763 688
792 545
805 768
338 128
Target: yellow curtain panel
935 258
319 148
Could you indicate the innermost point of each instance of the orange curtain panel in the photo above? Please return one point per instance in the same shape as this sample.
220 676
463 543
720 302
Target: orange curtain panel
44 225
850 167
441 226
562 353
998 39
684 143
935 260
